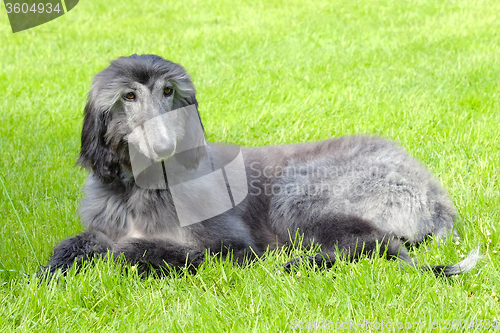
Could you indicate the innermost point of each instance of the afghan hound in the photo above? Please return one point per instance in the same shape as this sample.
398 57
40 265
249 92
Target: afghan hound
163 198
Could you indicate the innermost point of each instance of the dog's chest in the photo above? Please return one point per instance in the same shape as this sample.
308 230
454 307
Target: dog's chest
139 213
151 214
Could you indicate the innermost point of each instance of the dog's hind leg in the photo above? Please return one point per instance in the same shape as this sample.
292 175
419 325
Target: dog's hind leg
346 235
354 237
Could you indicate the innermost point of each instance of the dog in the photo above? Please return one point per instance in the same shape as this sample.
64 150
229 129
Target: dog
162 197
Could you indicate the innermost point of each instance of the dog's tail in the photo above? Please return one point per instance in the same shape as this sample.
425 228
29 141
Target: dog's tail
463 266
447 270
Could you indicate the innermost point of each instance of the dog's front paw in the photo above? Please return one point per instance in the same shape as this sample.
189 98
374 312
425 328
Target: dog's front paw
310 262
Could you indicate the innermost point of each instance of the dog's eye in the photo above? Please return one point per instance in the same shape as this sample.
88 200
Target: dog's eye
129 96
168 91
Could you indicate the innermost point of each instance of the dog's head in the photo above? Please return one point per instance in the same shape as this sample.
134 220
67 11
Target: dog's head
131 92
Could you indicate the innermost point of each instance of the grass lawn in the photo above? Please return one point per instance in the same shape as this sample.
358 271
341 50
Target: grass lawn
424 73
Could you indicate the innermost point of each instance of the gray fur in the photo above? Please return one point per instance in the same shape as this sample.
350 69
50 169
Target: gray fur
465 265
340 193
367 177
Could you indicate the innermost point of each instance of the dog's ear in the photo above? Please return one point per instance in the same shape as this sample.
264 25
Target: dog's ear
95 153
192 100
185 93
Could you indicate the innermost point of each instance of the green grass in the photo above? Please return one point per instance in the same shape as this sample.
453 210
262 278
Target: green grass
424 73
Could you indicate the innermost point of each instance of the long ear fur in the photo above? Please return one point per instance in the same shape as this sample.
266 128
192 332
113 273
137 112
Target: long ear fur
95 153
195 102
185 92
186 95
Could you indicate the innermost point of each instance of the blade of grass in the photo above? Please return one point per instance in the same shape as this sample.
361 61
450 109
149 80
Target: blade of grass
20 222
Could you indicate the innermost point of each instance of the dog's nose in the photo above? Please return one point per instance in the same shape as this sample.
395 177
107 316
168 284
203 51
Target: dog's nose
163 149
